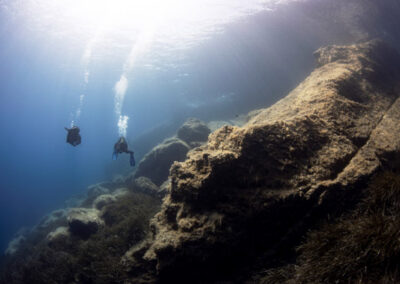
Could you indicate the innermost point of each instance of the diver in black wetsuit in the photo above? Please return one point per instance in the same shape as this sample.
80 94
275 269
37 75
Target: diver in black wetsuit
122 147
73 136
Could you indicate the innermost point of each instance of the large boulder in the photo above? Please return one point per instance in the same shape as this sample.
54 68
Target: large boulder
58 239
84 222
103 200
251 188
193 130
54 219
97 189
145 185
59 233
155 164
238 120
121 192
14 245
93 191
165 187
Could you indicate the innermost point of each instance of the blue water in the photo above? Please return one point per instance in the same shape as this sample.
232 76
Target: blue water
41 81
229 67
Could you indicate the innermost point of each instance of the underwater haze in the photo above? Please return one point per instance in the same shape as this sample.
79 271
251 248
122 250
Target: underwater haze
122 68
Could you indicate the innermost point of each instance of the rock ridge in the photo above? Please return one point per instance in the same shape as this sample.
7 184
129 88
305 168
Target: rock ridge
249 187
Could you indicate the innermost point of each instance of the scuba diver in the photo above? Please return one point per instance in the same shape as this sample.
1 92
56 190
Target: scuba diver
122 147
73 136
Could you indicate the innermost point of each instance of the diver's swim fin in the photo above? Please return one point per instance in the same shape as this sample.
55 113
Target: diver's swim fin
132 160
114 155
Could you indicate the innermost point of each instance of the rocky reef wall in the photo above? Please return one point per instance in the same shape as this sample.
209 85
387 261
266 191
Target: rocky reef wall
251 188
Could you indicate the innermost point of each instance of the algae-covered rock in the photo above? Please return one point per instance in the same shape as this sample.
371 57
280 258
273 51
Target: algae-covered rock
121 192
103 200
107 199
59 235
60 232
145 185
87 249
84 222
238 120
14 245
360 247
155 164
58 239
96 190
164 187
93 191
193 130
118 180
249 189
55 218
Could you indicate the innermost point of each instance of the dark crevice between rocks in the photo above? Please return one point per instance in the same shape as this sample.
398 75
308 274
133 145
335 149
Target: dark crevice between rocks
285 252
264 240
263 236
351 89
360 246
340 165
359 142
231 255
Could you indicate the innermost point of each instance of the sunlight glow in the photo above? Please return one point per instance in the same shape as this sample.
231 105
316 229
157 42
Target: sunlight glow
140 46
109 14
119 22
139 31
120 89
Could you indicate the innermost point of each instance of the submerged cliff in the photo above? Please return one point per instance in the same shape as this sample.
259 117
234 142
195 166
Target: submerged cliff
242 202
252 190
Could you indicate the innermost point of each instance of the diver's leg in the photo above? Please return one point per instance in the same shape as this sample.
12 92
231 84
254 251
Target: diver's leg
132 159
114 155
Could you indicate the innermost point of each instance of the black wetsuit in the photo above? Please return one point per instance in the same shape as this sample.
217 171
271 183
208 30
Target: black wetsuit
73 136
122 147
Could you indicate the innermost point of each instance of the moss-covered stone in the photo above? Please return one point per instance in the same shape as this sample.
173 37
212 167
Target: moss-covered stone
361 247
97 259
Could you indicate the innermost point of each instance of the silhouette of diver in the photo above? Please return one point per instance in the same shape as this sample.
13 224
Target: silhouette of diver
73 136
122 147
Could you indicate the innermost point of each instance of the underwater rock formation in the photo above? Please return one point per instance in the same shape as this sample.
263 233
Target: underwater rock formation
14 245
54 218
249 189
238 120
59 237
82 245
93 191
145 185
103 200
155 164
96 190
192 131
84 222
